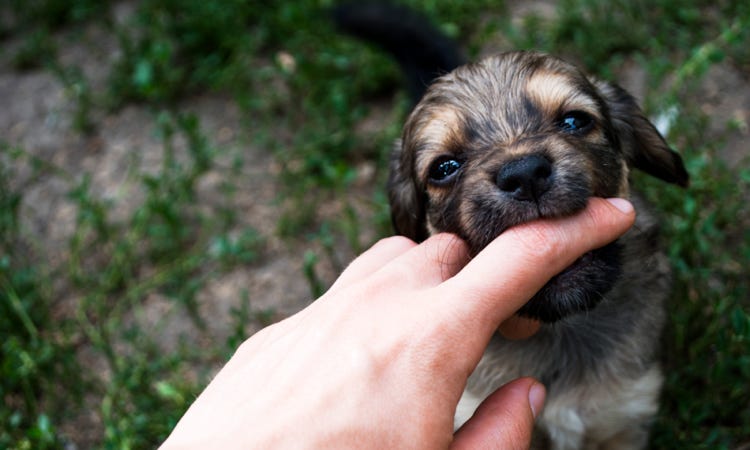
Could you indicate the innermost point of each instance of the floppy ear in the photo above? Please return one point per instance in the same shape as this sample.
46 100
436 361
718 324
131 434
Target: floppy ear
407 204
644 147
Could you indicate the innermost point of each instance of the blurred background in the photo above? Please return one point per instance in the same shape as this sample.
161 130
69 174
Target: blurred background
177 174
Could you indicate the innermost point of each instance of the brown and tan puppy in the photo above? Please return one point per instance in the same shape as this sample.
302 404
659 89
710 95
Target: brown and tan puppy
521 136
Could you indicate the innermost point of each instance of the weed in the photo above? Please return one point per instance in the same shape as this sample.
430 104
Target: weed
707 343
172 48
79 91
36 50
317 286
32 356
167 247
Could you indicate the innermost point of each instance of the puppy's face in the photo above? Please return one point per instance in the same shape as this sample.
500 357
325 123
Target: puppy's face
516 137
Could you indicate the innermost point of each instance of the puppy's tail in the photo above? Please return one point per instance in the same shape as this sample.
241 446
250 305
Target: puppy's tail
421 49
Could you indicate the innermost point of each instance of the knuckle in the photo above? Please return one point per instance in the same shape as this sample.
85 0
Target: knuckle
538 242
396 242
446 248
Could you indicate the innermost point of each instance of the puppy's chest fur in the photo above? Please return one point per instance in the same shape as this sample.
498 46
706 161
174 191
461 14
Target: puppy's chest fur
600 368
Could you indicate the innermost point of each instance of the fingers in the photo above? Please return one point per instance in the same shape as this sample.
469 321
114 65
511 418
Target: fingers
406 265
505 420
369 262
499 280
435 260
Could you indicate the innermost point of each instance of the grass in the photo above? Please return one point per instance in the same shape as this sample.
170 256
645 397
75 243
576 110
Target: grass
303 90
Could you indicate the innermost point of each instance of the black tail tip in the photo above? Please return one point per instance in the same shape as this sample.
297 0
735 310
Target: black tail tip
422 51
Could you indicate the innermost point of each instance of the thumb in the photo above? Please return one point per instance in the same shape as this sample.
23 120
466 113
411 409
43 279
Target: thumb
505 419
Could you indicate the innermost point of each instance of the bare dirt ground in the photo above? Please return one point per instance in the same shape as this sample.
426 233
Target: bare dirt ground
36 116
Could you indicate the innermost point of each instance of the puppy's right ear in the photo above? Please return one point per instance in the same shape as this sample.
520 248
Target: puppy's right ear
644 147
407 203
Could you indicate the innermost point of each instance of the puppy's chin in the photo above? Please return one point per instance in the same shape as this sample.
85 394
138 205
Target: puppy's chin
578 288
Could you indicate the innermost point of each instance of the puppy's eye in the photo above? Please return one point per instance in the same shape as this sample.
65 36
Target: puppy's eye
576 122
444 169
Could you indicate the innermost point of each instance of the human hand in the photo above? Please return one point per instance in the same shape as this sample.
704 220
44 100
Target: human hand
381 359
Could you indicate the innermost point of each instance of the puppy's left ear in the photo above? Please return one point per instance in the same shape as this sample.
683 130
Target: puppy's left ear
644 147
407 204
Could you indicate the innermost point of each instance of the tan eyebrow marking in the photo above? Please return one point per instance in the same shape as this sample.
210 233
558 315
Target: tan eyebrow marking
553 92
436 136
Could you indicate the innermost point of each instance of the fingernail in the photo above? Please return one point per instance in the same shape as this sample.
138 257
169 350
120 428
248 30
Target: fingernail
620 203
537 393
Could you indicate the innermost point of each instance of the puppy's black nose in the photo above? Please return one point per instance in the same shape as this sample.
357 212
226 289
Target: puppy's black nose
526 178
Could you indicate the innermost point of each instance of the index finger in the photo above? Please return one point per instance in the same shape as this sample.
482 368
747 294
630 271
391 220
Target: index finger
507 273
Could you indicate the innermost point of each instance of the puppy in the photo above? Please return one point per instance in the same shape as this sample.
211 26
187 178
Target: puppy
521 136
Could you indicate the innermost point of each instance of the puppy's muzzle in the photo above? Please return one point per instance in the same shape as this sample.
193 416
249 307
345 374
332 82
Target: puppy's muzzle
530 183
525 179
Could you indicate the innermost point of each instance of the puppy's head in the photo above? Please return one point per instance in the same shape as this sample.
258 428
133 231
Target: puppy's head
516 137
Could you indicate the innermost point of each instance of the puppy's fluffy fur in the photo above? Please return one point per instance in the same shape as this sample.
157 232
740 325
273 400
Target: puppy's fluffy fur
520 136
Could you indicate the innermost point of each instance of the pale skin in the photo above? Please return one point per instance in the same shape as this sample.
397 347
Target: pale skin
381 359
